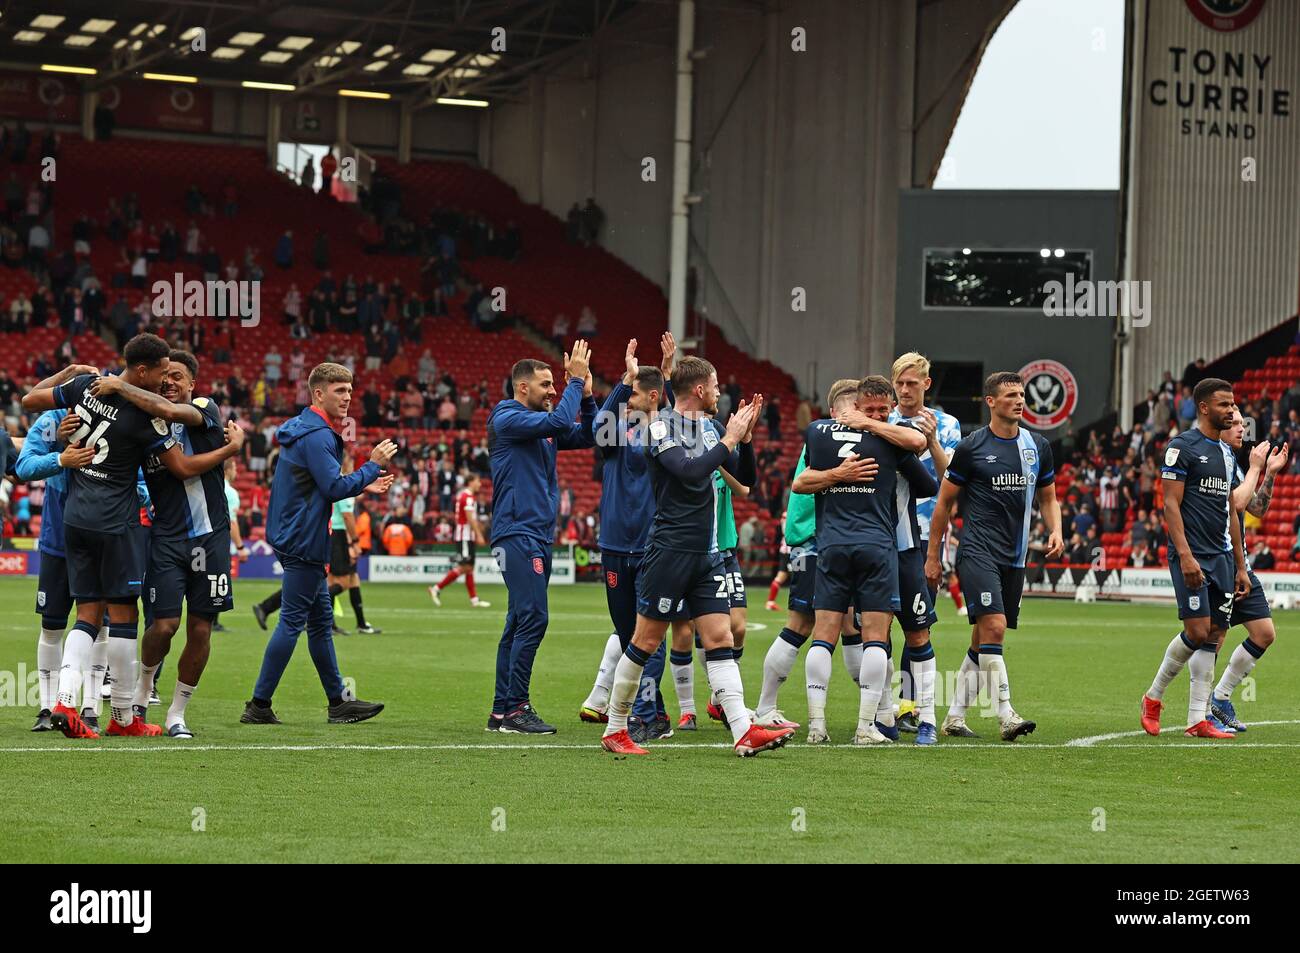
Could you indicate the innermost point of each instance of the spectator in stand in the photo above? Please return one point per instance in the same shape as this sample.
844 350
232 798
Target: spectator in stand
1186 410
307 179
328 166
565 511
273 362
1194 373
1139 533
1261 557
479 463
427 369
446 413
139 271
292 304
1295 529
1076 553
587 323
256 447
230 198
560 330
1109 494
593 220
398 538
284 250
412 404
1036 557
193 242
773 416
446 485
464 410
573 225
261 394
370 406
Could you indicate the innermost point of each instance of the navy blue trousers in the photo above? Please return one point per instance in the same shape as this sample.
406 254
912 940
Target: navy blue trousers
526 565
305 603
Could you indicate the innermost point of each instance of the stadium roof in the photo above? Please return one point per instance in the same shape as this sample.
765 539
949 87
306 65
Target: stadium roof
412 49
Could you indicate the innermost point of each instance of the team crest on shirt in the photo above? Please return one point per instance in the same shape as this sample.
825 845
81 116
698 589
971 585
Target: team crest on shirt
986 598
710 438
665 605
1193 602
611 579
1171 457
1030 456
538 566
200 402
162 426
153 595
40 598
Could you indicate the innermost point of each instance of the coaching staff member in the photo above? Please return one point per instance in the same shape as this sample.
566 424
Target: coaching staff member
524 434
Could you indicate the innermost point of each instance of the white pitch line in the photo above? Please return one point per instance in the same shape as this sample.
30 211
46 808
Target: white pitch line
982 746
1091 740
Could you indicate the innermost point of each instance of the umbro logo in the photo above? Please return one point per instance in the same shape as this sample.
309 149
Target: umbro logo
991 458
1204 459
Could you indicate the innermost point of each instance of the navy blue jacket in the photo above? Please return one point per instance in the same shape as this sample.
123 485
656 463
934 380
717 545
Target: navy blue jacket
307 483
522 444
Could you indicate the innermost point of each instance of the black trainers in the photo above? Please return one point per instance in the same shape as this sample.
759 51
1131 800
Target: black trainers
336 631
90 718
43 722
353 710
256 715
908 723
218 627
494 723
260 615
369 629
178 730
637 729
660 728
525 721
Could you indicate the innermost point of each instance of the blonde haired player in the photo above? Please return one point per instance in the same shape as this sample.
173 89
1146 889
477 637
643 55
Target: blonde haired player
910 376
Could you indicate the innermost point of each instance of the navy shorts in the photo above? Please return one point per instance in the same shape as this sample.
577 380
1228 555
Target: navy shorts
196 570
53 600
1249 609
1214 598
864 577
104 565
669 583
990 589
735 580
803 579
914 594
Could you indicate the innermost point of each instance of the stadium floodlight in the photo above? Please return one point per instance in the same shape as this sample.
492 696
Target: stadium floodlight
1059 253
457 101
1045 252
364 94
170 77
246 38
965 251
83 70
417 69
295 42
276 56
79 39
46 21
437 56
28 36
227 53
277 87
96 25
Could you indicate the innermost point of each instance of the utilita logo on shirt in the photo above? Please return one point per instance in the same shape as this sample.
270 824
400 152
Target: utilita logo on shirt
103 907
1217 486
1009 481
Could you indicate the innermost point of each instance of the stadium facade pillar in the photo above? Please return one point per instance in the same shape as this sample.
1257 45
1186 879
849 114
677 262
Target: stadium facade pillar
89 103
681 170
274 114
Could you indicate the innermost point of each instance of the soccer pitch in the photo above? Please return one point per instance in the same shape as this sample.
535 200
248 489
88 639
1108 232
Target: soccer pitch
424 782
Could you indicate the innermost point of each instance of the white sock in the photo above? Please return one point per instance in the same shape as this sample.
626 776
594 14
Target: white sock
144 684
1176 656
777 666
885 713
76 659
180 699
724 675
1239 666
875 663
924 672
627 679
853 660
94 679
967 688
49 656
994 670
121 659
599 696
1201 671
817 669
684 683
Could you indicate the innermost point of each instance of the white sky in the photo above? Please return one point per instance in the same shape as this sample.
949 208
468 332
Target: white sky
1044 109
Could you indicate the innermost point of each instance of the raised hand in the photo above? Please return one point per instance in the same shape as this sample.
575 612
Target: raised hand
927 423
668 345
1277 459
381 485
235 435
1259 455
741 422
756 403
577 362
103 386
629 363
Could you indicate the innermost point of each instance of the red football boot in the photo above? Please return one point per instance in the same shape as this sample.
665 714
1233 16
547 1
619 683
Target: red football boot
759 739
1203 729
620 742
139 728
68 721
716 713
1151 709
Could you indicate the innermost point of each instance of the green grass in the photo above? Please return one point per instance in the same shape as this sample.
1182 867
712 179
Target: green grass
1077 670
